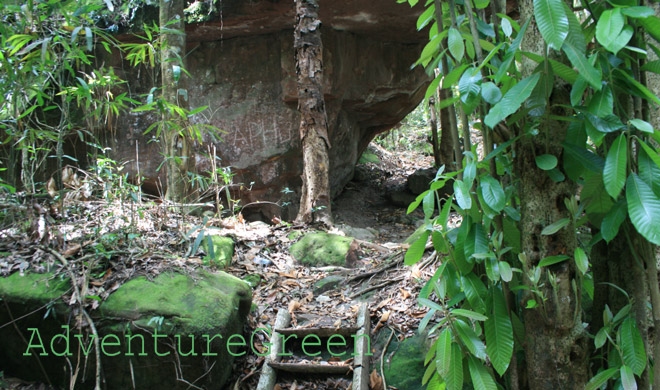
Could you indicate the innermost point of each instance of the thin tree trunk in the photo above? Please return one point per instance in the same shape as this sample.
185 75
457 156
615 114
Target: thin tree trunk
176 142
437 158
315 198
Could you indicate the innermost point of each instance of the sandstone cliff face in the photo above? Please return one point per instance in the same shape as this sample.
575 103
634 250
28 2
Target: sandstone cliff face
245 74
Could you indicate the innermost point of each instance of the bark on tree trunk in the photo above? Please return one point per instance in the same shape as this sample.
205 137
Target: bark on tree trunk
556 343
176 142
315 198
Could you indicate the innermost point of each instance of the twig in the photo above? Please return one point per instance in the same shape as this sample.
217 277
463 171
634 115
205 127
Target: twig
382 359
366 290
13 322
374 272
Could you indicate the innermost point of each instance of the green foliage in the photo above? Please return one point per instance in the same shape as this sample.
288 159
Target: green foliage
609 150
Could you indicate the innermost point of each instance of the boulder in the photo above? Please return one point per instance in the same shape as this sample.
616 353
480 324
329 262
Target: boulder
142 328
404 367
322 249
243 68
221 253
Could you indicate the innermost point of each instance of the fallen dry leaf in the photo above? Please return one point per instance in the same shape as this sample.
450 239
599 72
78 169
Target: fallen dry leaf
375 381
385 316
293 306
404 294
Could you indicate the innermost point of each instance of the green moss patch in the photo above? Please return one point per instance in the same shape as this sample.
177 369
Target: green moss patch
321 249
191 304
33 287
221 252
405 369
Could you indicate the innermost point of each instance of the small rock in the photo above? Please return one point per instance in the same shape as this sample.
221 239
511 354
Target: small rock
326 284
321 249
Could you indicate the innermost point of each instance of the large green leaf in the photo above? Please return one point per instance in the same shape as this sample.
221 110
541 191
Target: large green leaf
493 194
455 44
652 66
628 378
555 227
581 260
649 171
454 379
602 103
416 250
470 339
499 333
609 26
552 21
575 32
609 228
604 124
601 378
643 208
481 378
475 291
469 84
652 26
512 100
632 346
580 62
587 158
476 241
462 194
614 173
490 92
546 162
443 352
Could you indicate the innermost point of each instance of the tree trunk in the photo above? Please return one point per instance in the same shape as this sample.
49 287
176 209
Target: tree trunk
556 343
315 198
176 142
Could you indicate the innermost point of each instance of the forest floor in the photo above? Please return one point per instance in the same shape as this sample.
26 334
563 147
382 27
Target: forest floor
109 242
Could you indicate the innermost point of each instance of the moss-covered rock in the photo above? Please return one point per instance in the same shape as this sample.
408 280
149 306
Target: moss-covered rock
221 253
321 249
193 316
329 283
405 369
253 280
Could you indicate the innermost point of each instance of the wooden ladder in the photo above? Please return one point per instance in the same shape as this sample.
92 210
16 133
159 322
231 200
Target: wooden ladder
360 366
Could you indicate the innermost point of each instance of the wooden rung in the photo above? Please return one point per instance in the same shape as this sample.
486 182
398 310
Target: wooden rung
307 368
320 331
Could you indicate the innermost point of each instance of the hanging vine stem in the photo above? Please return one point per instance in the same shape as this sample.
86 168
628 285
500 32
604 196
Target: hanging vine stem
467 142
446 93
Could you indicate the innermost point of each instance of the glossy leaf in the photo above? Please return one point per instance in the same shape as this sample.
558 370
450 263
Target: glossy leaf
499 333
493 194
628 378
512 100
552 21
555 227
481 378
601 378
470 339
632 346
455 44
454 379
581 260
546 162
551 260
643 208
443 352
416 250
490 92
614 173
609 228
609 26
584 68
649 171
462 194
